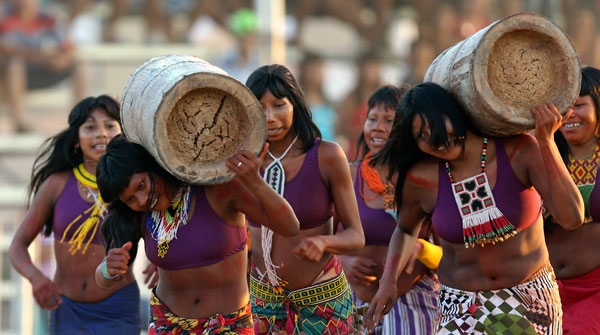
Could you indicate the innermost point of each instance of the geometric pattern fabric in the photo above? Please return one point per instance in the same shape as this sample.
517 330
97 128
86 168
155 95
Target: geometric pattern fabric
530 308
584 171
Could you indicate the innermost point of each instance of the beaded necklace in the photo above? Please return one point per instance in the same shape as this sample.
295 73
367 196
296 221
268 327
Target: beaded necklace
375 183
92 223
583 171
275 177
164 224
482 221
584 174
483 160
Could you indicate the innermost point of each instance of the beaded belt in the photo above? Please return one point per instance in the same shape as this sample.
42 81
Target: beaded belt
311 295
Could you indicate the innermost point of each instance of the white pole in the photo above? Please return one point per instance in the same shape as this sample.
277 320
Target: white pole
271 16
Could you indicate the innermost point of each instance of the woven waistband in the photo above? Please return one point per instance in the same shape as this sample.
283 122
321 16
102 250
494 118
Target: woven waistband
311 295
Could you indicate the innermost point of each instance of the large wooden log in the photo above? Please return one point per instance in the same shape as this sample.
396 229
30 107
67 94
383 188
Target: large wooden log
191 116
503 70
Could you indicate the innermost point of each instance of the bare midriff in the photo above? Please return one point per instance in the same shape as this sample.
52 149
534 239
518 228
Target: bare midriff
200 292
75 274
298 273
574 252
494 266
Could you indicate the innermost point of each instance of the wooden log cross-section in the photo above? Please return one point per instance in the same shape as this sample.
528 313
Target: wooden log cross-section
499 73
191 116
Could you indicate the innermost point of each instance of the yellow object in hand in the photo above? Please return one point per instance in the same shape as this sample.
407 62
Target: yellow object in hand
430 255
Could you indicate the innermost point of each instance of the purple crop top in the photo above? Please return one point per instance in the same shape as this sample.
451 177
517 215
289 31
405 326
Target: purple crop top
520 205
307 193
68 207
378 226
206 239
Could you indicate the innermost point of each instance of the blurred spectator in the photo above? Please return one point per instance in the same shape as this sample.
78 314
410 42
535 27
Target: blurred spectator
219 10
422 54
510 7
34 53
475 15
352 110
311 79
119 8
369 17
582 29
438 23
446 28
159 16
243 60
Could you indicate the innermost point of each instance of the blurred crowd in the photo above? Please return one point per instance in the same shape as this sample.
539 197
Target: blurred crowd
375 37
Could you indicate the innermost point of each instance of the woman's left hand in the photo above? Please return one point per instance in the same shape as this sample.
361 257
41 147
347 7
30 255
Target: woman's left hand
311 248
246 165
548 120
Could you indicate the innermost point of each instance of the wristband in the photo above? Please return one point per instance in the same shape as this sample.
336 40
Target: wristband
105 273
430 255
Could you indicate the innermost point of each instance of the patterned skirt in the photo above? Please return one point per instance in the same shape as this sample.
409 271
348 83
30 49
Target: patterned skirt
414 312
323 308
530 308
164 322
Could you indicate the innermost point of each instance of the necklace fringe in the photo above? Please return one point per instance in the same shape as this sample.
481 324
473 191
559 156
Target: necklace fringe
482 220
164 225
274 177
78 239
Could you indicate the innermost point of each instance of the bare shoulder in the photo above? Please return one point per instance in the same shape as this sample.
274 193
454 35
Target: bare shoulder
47 194
333 164
331 152
55 183
421 184
424 174
225 191
519 145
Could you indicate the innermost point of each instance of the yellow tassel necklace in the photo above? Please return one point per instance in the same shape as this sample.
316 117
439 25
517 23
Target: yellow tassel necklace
92 223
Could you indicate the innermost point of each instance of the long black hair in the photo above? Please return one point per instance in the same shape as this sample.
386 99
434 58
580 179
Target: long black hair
282 84
58 153
115 168
590 85
388 96
433 104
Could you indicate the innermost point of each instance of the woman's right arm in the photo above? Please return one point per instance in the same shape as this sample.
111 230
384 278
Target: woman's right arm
45 291
400 250
114 266
252 196
121 232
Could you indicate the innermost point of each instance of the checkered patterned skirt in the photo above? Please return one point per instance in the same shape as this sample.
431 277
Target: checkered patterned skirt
529 308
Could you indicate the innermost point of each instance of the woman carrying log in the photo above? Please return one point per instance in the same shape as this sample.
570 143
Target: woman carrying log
484 196
196 235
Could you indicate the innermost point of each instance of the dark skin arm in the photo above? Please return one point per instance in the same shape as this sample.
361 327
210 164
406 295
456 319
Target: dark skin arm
251 195
45 291
336 171
402 244
117 263
552 182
